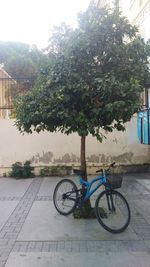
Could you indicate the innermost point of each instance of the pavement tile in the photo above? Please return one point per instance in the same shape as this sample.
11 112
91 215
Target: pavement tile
84 259
38 236
52 226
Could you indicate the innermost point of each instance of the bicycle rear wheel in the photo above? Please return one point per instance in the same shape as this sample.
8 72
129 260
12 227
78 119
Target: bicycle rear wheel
65 196
112 211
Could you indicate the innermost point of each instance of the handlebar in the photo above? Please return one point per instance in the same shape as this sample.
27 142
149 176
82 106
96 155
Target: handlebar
110 166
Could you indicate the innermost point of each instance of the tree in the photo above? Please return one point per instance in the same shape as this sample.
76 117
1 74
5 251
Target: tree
23 63
97 74
22 60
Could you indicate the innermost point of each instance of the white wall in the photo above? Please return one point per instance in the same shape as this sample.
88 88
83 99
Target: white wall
51 148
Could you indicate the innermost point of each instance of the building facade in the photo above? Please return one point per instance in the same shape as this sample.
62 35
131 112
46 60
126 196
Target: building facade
139 14
137 11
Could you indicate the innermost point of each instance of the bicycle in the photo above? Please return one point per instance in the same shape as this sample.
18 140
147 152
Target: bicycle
111 208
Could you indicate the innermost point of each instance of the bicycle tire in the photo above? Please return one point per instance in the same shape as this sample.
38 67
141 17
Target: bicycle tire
60 198
105 212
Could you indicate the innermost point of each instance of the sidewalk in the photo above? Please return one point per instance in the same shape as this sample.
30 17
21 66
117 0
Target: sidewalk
33 234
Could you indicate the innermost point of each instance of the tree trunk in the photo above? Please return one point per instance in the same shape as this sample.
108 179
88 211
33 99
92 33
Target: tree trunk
87 206
83 158
86 211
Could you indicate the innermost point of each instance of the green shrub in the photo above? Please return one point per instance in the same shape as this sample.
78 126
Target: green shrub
50 171
45 171
55 171
20 170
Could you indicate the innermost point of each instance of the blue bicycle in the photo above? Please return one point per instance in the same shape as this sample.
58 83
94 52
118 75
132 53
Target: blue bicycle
111 208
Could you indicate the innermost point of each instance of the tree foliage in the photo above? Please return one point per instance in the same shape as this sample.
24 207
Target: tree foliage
22 60
96 76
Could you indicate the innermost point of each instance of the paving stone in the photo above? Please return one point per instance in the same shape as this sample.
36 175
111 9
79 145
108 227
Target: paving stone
39 190
10 231
2 263
84 259
52 226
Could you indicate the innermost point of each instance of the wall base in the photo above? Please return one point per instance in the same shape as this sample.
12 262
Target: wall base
63 170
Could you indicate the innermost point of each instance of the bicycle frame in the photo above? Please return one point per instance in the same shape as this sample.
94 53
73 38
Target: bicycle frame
88 185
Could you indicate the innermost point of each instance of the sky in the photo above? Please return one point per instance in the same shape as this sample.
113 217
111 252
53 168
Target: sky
30 21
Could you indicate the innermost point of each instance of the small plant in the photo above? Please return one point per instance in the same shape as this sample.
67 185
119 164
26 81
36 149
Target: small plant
27 169
16 170
55 171
20 170
45 171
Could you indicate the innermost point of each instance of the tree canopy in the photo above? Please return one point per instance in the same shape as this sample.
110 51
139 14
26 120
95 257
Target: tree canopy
96 76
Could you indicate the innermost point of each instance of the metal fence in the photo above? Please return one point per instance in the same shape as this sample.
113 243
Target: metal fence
9 89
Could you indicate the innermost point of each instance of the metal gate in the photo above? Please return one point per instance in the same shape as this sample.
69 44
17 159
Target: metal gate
9 89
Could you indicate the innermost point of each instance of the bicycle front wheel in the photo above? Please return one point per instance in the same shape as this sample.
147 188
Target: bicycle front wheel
65 196
112 211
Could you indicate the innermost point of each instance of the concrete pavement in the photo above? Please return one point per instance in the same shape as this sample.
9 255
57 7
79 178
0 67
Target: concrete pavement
32 233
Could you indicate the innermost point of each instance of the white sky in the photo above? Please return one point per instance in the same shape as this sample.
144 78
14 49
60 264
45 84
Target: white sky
30 21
